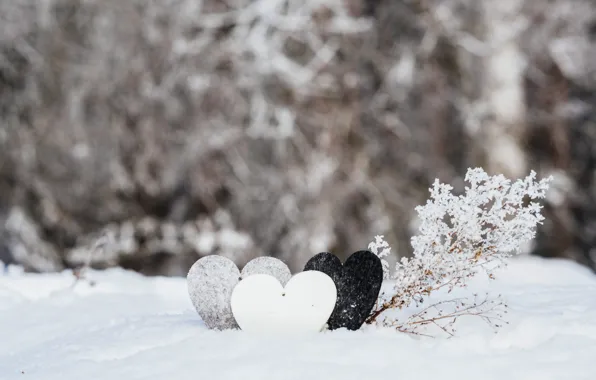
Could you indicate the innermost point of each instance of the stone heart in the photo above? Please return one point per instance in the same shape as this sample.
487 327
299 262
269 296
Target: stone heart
358 283
212 279
261 304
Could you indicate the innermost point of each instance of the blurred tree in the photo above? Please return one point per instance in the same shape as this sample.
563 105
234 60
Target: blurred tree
173 129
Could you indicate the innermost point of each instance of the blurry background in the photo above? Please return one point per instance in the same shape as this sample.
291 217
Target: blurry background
147 133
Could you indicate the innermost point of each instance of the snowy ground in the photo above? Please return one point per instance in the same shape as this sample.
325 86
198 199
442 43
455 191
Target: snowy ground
131 327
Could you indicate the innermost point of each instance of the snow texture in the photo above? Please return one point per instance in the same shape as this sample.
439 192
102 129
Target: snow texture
212 279
131 327
358 283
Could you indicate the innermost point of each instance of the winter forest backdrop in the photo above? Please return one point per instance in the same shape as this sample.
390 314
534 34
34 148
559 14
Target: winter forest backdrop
147 133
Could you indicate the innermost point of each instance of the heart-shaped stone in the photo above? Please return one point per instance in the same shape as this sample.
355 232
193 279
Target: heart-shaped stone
358 283
261 304
212 279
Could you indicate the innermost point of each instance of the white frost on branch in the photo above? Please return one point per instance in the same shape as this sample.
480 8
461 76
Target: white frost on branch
382 249
462 234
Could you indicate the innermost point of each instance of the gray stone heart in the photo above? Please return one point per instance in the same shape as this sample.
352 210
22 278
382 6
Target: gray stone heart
212 279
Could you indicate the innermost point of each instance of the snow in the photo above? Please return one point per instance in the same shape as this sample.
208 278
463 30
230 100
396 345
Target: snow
132 327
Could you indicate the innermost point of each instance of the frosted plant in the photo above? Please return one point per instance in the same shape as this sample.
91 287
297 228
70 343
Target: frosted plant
382 249
460 235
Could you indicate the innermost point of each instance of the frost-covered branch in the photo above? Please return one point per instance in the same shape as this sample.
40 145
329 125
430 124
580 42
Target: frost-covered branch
461 235
381 248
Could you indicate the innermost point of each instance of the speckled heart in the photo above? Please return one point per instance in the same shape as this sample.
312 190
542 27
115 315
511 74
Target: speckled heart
212 279
358 283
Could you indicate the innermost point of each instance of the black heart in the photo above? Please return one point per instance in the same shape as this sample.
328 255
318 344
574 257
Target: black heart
358 283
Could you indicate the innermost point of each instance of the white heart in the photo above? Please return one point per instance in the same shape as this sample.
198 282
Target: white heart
261 304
